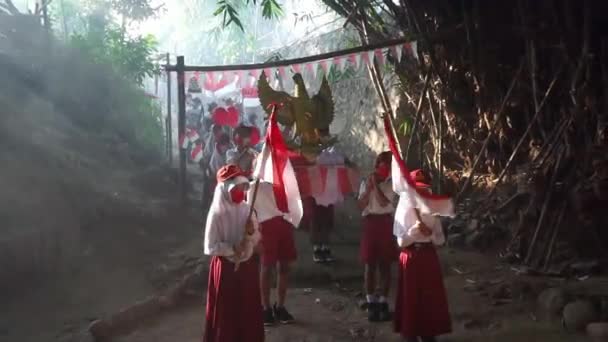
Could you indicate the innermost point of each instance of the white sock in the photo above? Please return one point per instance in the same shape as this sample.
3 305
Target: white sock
316 248
381 299
371 298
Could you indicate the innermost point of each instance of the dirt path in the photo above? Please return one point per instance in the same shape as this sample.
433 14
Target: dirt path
330 313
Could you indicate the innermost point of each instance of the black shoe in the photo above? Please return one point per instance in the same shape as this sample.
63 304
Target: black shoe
282 315
317 256
269 317
384 315
373 312
327 256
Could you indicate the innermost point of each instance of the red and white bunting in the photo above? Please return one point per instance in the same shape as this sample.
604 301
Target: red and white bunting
325 66
241 75
355 60
210 77
282 72
414 49
312 68
340 62
379 54
197 153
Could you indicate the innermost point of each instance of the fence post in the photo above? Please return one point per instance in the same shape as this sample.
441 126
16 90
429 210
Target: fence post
181 127
169 118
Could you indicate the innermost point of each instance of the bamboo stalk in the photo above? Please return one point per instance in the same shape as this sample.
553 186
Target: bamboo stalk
544 207
427 80
525 135
496 121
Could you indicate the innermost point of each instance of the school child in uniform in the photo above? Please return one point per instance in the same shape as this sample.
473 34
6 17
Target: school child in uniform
378 244
278 253
233 311
421 307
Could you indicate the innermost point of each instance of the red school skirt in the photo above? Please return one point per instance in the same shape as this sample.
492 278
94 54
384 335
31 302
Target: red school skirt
421 307
234 309
378 244
278 244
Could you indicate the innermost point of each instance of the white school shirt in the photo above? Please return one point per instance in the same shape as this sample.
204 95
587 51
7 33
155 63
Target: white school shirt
265 205
332 158
225 226
373 206
413 233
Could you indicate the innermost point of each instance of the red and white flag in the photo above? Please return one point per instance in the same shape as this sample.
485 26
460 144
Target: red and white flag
405 186
197 153
184 142
274 167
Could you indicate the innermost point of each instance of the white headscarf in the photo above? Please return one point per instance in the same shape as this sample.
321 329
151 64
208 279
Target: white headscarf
226 221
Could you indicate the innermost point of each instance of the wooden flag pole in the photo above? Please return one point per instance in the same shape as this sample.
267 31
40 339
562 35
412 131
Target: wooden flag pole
256 186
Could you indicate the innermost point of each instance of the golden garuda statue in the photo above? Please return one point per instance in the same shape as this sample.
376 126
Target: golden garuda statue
309 117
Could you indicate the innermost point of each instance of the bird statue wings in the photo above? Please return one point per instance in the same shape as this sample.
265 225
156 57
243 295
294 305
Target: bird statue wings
310 116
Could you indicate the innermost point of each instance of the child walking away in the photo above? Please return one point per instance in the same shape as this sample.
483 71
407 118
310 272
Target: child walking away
378 244
323 215
279 209
278 254
233 312
421 308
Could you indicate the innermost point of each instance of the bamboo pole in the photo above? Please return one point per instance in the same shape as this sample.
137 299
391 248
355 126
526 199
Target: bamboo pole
526 132
544 207
181 127
496 121
169 118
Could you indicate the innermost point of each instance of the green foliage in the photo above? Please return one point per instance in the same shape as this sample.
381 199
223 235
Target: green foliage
131 58
229 10
98 30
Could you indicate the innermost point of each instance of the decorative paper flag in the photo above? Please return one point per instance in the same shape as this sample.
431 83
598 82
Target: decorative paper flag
241 74
227 76
184 142
405 186
282 72
379 54
341 62
369 57
209 78
325 66
256 73
397 51
312 68
296 68
355 60
276 168
197 153
192 135
269 74
414 49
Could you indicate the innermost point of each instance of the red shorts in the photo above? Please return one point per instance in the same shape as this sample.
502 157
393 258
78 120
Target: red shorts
278 244
378 244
